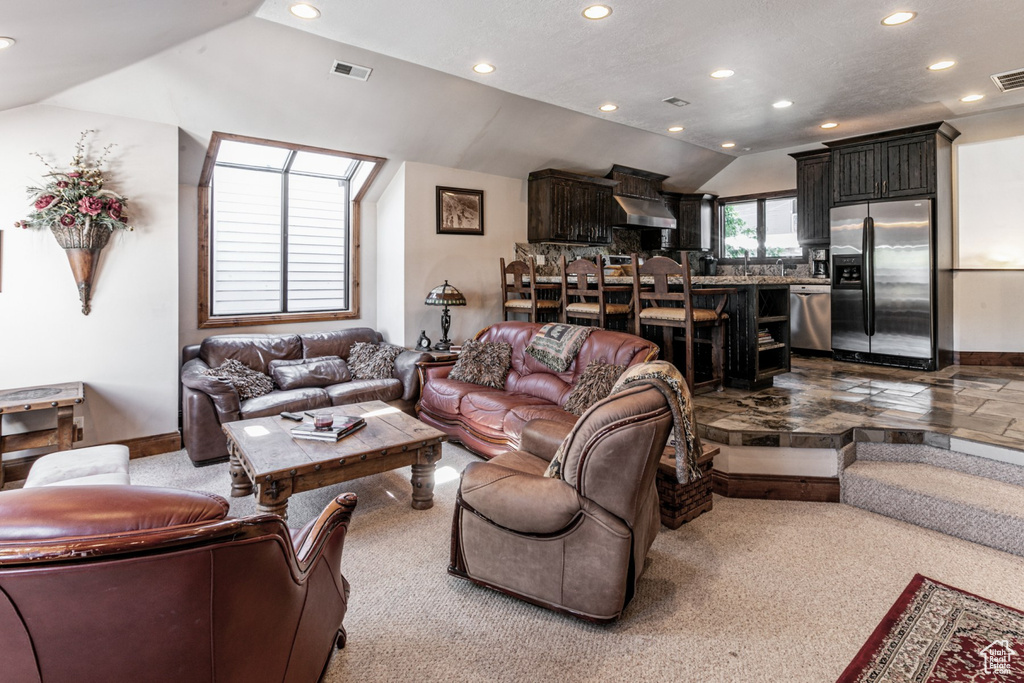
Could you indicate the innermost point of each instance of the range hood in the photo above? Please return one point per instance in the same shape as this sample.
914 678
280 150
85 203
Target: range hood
643 214
638 201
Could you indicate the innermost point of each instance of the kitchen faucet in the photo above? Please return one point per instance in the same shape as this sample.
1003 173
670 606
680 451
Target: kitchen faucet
782 267
746 265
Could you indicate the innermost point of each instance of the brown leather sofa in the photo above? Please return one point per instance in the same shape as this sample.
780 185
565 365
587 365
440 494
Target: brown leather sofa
207 402
489 421
131 583
576 545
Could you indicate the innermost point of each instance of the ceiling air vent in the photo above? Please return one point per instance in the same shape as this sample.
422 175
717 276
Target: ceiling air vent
676 101
1009 80
360 73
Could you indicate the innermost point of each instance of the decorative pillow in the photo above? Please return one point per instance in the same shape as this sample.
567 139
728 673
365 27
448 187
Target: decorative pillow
247 382
373 361
483 363
556 345
312 372
595 383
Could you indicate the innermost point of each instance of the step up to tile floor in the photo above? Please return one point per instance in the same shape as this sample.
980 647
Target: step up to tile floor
970 497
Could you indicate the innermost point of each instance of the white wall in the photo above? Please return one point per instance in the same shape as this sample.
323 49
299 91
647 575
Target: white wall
125 350
755 173
469 262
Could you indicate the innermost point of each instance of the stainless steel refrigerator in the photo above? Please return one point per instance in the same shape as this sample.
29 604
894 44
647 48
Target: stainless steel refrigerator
884 285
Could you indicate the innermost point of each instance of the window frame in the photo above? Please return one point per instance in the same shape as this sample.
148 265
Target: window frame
206 319
759 259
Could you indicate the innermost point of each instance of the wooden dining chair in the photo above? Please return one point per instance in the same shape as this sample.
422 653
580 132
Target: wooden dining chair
668 304
519 293
583 298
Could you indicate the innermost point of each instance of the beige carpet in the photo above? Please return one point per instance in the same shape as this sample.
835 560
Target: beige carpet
753 591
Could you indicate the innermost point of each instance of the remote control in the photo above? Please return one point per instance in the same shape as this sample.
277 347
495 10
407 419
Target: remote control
292 416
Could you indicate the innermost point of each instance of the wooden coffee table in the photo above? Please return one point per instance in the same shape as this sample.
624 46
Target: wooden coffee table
264 455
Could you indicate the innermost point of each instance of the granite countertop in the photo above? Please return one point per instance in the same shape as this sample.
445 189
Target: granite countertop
725 280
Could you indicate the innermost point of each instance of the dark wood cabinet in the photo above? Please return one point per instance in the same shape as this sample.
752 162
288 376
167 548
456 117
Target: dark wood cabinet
694 216
569 207
899 163
813 197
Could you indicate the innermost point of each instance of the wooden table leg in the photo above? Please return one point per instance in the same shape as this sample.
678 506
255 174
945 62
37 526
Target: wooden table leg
65 427
273 497
423 478
240 484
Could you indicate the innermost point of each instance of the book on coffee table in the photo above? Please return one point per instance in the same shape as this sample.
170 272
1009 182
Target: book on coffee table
342 427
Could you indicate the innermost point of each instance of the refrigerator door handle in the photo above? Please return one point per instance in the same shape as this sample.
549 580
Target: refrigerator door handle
868 276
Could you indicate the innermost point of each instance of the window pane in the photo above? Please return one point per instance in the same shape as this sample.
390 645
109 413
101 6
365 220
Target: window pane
245 154
740 229
323 164
317 243
780 228
246 217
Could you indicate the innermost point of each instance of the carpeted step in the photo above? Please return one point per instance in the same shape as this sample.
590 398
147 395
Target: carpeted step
970 507
941 457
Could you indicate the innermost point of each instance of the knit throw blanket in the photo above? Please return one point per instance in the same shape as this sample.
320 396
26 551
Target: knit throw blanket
664 377
556 345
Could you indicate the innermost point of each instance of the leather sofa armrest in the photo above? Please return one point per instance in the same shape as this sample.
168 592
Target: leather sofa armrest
522 502
223 394
405 370
543 437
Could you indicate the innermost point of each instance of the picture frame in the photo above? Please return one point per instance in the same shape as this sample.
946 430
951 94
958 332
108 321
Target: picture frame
459 211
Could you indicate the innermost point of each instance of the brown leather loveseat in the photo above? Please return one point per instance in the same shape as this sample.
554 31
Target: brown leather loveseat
208 402
490 421
132 583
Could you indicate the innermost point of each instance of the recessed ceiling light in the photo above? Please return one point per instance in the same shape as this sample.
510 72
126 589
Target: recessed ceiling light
782 104
597 11
972 98
939 66
728 145
608 107
830 124
483 68
897 18
304 10
675 129
6 42
722 73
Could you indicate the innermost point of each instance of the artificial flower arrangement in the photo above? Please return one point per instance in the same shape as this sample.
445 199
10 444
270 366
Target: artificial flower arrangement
76 198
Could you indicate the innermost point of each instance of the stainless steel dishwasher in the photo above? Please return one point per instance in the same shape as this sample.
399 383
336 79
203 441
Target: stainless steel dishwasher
810 317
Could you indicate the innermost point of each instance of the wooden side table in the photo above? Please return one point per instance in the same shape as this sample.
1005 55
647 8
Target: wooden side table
64 397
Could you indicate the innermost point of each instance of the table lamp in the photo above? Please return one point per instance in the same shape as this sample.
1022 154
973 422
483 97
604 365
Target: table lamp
445 295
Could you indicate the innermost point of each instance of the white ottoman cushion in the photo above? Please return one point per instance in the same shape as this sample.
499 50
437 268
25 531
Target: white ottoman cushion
71 467
111 479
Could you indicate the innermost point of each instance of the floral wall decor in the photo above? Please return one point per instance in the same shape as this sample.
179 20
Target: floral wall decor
80 212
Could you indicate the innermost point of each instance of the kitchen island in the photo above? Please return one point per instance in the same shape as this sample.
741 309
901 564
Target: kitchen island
757 335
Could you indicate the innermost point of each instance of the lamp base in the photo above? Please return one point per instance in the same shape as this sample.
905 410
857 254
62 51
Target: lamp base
443 345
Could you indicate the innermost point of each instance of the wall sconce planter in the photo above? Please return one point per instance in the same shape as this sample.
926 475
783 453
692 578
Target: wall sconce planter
80 213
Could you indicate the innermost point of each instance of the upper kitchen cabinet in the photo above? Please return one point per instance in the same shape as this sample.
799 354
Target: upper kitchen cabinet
898 163
813 197
569 207
694 214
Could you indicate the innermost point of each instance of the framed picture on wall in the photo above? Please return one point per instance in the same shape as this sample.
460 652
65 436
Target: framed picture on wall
460 211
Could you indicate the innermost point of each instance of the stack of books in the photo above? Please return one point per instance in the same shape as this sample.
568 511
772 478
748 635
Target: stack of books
342 427
764 337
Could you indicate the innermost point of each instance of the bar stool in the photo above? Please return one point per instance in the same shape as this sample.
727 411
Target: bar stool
673 310
520 295
600 309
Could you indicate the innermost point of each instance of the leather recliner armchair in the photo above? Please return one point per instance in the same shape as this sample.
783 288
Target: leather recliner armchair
577 544
132 583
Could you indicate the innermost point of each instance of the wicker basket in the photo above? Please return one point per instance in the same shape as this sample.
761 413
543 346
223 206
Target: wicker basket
681 503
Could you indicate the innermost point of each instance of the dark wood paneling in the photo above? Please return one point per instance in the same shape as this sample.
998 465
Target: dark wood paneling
776 487
1004 358
855 173
569 207
909 167
813 197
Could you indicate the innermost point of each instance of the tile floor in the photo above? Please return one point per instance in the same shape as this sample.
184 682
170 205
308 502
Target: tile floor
821 401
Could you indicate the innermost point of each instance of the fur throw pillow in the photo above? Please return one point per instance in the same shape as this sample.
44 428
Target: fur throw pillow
247 382
594 384
373 361
483 363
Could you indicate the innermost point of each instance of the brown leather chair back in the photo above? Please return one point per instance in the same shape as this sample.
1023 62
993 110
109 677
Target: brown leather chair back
130 583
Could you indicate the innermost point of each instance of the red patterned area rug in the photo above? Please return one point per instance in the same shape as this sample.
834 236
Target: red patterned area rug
936 632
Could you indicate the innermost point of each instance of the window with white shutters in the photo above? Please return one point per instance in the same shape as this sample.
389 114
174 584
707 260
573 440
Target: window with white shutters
280 232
